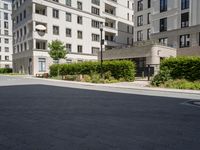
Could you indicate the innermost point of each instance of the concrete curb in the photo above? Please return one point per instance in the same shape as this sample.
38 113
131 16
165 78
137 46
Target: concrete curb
196 92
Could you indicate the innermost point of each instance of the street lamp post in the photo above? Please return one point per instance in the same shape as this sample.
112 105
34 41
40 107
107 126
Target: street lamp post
102 43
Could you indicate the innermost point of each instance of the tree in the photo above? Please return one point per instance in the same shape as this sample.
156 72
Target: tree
57 51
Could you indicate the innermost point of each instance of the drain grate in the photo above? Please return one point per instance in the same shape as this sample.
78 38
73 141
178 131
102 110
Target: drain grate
195 103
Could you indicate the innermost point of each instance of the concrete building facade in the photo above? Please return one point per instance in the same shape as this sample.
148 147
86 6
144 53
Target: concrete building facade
6 48
173 23
76 23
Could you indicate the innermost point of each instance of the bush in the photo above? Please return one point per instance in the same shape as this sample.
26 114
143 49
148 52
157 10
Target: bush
183 67
163 76
117 69
5 70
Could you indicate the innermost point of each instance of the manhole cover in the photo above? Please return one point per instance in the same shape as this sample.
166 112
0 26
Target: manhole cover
196 103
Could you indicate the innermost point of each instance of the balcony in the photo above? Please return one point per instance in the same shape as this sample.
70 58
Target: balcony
41 10
110 9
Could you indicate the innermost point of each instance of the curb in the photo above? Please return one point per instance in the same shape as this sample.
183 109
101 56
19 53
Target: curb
196 92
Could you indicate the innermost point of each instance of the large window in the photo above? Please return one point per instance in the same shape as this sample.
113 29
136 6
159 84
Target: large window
140 20
185 4
96 2
55 13
163 5
149 3
184 40
42 64
68 2
139 36
163 24
140 5
56 30
163 41
185 20
68 17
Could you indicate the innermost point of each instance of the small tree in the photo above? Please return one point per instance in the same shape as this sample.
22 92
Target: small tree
57 51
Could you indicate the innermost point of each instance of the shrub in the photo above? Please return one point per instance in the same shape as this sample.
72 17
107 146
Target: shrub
54 70
183 67
163 76
5 70
182 84
116 69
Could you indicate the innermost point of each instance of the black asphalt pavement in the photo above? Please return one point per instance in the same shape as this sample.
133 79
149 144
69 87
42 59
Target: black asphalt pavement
41 117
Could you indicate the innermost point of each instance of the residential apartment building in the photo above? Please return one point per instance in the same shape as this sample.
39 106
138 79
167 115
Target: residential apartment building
142 20
75 22
175 23
5 34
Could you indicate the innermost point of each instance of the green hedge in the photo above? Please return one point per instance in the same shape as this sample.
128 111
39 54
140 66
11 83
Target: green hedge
119 69
5 70
183 67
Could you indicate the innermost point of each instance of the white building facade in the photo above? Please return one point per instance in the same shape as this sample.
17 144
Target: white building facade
6 34
75 22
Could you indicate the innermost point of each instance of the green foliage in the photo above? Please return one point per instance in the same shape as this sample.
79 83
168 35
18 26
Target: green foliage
182 84
163 76
115 69
57 50
5 70
183 67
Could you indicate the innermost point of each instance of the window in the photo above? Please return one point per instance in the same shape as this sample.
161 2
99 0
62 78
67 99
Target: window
140 5
95 37
199 38
79 34
5 24
80 49
148 18
24 13
42 64
6 41
79 19
95 24
128 16
5 6
5 16
185 20
68 32
55 13
68 17
163 41
96 2
6 57
185 4
163 5
139 36
95 50
95 10
139 20
163 24
56 30
149 4
148 33
69 47
184 40
79 5
6 32
68 2
127 40
25 30
6 49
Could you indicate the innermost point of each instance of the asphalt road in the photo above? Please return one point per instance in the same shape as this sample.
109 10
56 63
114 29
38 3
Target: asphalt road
44 117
